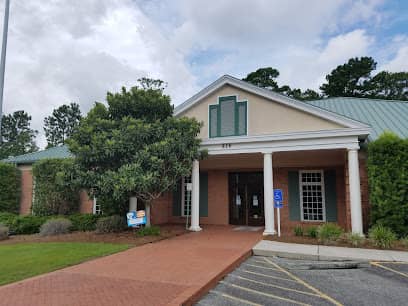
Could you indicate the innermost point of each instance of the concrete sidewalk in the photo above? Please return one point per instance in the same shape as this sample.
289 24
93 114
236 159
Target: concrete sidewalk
321 252
170 272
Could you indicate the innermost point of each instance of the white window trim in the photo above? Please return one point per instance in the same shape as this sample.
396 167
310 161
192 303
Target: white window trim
183 194
96 208
301 195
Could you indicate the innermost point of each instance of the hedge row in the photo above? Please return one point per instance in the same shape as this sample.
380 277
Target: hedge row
25 225
9 188
388 181
55 194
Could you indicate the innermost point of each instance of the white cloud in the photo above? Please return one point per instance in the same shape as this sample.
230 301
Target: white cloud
61 51
64 51
399 63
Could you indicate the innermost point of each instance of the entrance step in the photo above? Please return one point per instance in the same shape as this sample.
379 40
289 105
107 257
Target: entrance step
247 228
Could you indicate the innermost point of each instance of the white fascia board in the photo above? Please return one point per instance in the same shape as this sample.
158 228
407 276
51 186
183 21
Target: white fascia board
284 145
305 107
361 132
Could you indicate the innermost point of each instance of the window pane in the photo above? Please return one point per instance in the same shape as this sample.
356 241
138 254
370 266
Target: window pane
227 109
312 195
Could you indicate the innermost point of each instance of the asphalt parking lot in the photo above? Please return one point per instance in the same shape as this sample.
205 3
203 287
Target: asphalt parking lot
276 281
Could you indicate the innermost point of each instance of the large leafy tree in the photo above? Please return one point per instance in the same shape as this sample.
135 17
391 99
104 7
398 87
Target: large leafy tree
61 124
350 79
266 78
17 136
134 147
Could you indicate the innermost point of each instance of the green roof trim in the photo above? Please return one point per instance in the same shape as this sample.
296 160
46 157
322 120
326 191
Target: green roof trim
381 115
30 158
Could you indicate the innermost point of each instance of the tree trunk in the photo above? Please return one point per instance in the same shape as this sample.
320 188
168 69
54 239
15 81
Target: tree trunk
147 208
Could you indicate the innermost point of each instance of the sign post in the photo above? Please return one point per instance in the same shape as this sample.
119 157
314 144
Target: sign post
278 203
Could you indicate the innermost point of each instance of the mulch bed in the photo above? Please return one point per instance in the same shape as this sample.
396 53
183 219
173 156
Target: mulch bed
128 237
398 246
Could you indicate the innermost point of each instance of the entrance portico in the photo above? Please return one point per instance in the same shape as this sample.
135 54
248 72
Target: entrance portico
287 153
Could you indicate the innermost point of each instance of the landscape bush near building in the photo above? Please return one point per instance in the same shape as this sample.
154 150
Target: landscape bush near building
55 193
9 188
388 181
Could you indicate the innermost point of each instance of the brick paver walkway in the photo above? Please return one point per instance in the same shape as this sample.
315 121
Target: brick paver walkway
169 272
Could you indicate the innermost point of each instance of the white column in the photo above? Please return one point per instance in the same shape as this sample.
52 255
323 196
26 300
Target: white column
355 193
132 203
268 196
195 198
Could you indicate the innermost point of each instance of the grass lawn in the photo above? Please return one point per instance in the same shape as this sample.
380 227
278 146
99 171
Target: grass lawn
19 261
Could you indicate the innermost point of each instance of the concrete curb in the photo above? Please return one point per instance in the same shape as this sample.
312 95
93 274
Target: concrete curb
320 252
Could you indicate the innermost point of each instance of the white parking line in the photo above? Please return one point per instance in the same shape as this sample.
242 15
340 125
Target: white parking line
265 294
323 295
276 286
270 276
268 268
377 264
235 298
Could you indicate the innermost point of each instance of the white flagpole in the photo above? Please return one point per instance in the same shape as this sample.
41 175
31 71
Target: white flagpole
3 60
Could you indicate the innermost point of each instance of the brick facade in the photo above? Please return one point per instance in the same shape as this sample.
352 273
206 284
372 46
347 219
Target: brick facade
85 203
218 199
26 190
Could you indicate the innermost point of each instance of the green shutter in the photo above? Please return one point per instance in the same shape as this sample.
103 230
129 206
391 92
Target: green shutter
203 194
241 121
294 196
177 200
330 195
213 124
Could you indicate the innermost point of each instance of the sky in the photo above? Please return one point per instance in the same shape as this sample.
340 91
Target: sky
75 51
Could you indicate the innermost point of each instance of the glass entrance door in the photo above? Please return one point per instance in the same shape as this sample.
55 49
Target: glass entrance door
246 198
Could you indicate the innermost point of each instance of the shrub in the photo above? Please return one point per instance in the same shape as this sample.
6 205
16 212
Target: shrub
329 232
387 173
83 222
111 224
4 232
382 236
54 193
25 225
9 188
149 231
354 238
298 230
7 218
311 231
55 227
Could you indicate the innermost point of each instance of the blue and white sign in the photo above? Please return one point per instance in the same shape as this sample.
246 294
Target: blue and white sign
277 195
278 198
136 218
278 203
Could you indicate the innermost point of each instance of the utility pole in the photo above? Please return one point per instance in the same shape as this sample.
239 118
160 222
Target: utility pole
3 60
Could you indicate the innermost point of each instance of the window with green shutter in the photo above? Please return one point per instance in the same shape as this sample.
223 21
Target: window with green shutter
228 117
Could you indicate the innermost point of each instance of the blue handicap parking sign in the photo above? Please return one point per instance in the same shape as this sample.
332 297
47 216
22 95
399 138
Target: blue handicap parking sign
278 198
277 195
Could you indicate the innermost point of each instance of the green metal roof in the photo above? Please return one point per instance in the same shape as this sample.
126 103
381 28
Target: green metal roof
381 115
29 158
